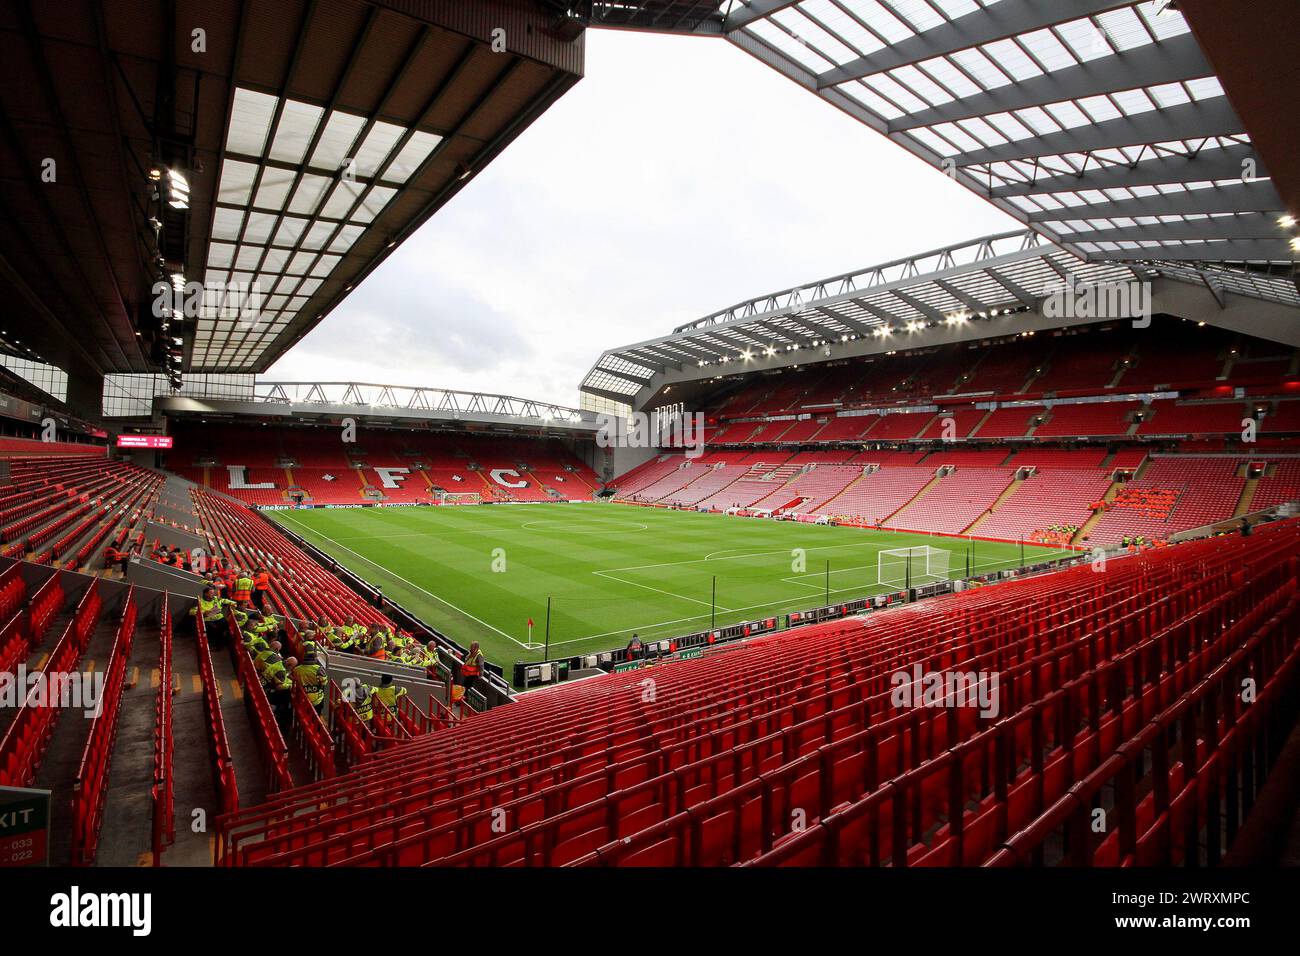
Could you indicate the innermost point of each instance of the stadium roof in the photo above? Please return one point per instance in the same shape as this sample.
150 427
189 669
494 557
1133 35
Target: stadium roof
998 275
1099 123
307 137
394 404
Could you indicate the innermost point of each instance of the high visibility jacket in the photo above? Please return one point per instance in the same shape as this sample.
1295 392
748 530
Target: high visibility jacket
243 588
390 694
276 675
263 659
211 610
473 666
313 681
364 706
262 581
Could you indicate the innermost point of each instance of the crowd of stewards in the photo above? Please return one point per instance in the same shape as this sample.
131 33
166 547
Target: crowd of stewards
244 594
381 642
1056 534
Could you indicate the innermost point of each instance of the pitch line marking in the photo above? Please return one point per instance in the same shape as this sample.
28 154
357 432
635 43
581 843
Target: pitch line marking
751 607
624 630
683 597
410 583
751 554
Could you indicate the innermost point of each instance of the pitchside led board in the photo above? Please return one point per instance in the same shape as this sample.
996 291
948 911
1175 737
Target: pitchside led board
24 826
144 441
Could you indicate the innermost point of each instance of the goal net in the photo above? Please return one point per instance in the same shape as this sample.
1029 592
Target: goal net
459 498
912 567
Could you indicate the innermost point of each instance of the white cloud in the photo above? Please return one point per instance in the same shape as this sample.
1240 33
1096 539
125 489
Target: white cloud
678 177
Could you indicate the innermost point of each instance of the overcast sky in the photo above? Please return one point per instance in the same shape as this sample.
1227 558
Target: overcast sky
679 177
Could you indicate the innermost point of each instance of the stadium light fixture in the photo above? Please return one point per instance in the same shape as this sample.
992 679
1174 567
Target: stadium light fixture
914 326
769 351
747 355
1286 222
179 187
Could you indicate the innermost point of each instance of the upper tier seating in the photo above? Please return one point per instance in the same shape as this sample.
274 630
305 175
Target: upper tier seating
846 428
1005 369
1008 422
1090 369
899 427
1088 419
586 775
1196 418
963 421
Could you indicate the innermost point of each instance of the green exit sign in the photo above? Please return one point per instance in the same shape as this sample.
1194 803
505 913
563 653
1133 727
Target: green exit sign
24 826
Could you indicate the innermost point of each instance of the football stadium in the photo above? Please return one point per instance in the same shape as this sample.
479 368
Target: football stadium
981 555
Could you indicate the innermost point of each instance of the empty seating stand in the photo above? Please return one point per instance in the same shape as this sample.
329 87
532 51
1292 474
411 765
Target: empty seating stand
806 726
90 789
378 466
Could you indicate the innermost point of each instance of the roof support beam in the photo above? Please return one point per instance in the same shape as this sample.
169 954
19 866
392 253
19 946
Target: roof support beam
1204 166
848 320
1173 60
625 376
884 316
1251 225
666 359
1002 20
604 393
931 313
1231 250
1189 121
810 330
641 359
1258 196
1012 287
699 351
964 298
786 334
754 10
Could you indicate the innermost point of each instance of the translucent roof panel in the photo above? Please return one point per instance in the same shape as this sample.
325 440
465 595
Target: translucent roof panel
299 185
1116 97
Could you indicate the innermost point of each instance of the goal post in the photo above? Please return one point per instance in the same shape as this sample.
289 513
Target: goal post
459 498
911 567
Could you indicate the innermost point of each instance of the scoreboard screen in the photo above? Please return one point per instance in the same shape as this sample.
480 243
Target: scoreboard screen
144 441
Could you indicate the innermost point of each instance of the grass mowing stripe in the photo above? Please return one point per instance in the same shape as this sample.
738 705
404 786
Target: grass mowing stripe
479 573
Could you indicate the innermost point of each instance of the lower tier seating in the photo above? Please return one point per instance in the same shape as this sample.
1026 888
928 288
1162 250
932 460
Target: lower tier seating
820 745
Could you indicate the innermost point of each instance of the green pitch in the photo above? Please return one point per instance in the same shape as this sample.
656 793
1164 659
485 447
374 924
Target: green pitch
479 573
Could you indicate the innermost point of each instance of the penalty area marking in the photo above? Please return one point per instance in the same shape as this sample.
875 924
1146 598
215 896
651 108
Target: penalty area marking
408 583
